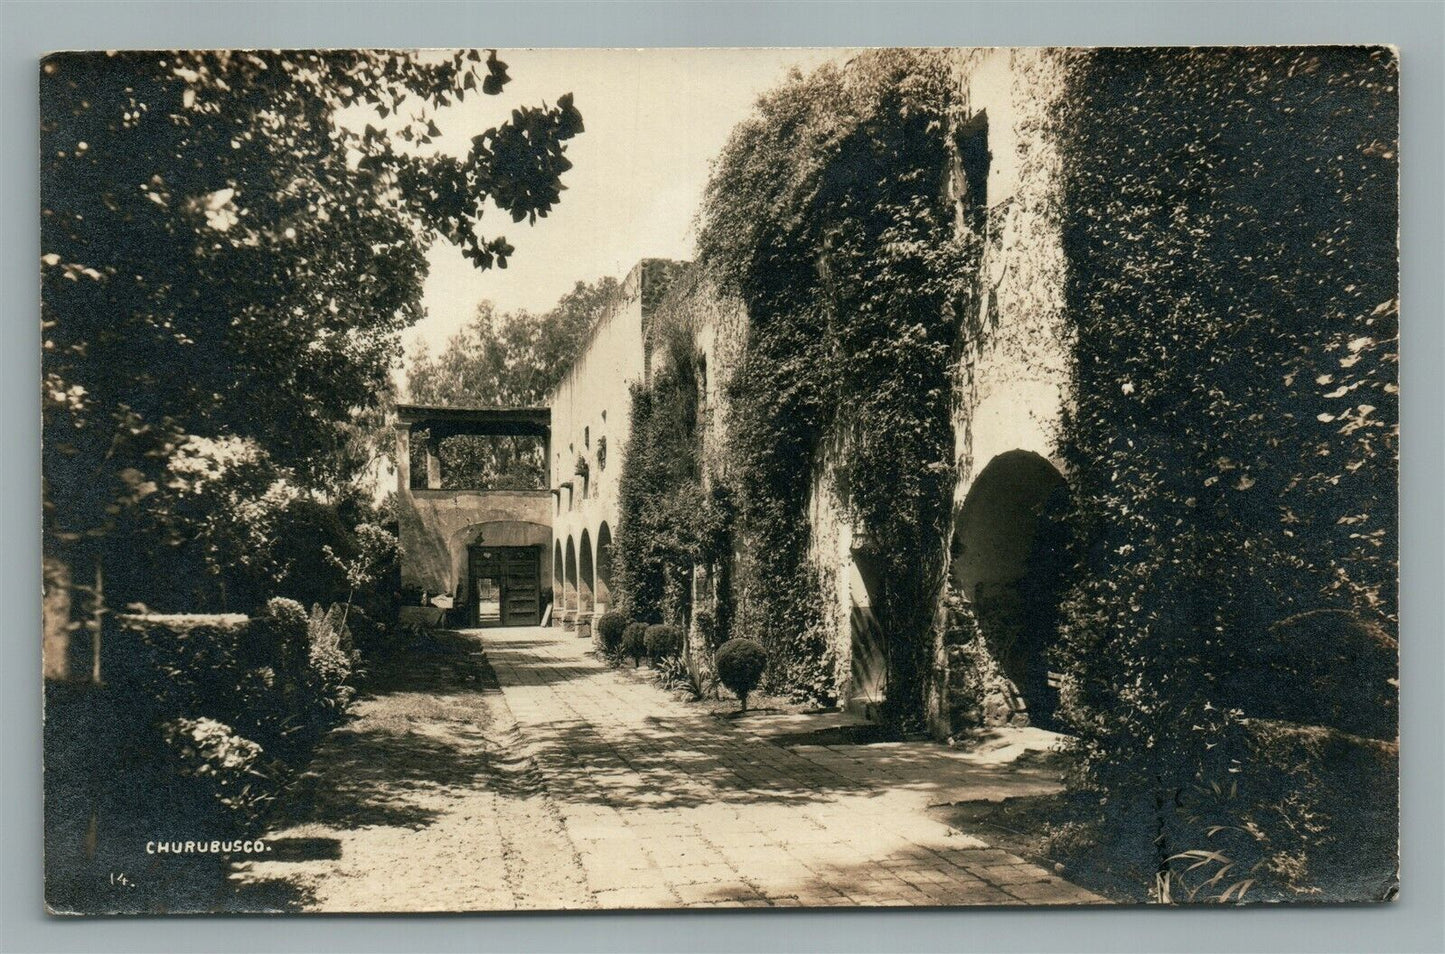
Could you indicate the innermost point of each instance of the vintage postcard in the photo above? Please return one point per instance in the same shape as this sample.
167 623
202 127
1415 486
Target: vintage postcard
481 480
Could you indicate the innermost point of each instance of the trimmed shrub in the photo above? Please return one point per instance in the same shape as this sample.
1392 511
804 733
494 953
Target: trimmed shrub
663 641
634 642
740 665
610 627
165 666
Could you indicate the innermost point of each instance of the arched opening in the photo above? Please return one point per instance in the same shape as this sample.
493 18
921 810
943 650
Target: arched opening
584 579
1009 559
558 597
604 568
569 585
503 574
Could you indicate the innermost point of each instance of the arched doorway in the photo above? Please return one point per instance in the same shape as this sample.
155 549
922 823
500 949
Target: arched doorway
569 585
604 568
504 571
584 581
558 595
1009 559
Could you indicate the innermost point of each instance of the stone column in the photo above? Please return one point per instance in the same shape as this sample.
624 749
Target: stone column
433 466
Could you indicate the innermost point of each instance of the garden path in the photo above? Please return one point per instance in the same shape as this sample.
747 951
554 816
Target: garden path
508 769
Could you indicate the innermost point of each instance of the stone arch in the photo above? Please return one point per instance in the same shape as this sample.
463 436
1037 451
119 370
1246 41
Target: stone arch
559 604
585 576
1009 560
604 568
569 584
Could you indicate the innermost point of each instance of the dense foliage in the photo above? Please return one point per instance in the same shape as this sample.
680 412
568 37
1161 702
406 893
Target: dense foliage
1230 226
504 359
826 218
223 257
665 517
237 701
208 717
228 528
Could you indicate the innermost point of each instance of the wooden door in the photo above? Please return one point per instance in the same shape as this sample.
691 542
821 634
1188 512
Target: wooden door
504 587
521 597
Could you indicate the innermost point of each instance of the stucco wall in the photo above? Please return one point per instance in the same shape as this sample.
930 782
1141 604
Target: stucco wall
437 526
591 413
1013 377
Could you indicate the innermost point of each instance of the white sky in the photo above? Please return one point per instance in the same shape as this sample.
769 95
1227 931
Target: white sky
655 120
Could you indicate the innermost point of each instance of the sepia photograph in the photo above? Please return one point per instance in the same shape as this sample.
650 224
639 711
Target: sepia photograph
489 480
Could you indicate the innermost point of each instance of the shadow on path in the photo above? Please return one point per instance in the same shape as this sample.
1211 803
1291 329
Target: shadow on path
417 729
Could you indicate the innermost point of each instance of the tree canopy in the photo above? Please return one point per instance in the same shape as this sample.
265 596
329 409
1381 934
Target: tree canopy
224 257
505 359
510 359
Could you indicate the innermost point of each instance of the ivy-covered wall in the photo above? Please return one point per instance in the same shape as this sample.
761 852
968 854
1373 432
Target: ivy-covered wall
865 323
828 221
994 240
1012 380
1059 387
1230 228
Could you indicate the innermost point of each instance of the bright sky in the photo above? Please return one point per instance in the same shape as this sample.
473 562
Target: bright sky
655 120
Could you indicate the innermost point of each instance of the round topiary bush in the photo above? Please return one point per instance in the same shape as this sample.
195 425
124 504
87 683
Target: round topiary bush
662 641
610 627
634 642
740 665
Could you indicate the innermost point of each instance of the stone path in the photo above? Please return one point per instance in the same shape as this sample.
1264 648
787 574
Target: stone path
578 786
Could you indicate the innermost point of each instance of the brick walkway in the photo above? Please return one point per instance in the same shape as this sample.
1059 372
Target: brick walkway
546 780
666 805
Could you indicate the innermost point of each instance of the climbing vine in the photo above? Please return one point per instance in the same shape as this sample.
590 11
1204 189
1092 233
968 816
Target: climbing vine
667 523
1230 229
826 217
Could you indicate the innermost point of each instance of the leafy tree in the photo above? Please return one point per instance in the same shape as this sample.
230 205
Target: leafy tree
505 359
224 257
510 359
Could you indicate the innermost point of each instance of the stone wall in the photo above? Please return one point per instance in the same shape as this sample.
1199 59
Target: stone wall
436 527
1011 391
1012 384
